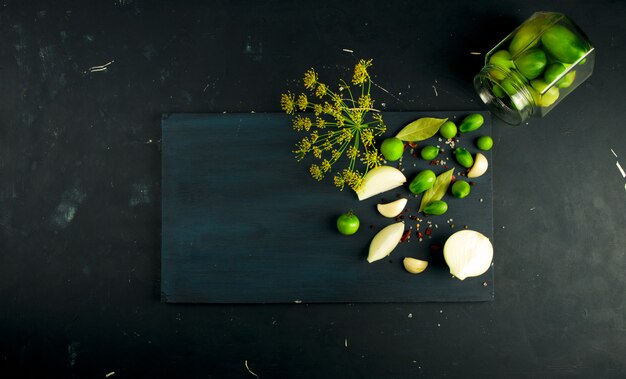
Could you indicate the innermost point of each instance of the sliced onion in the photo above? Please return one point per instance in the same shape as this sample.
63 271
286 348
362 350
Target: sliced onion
468 253
385 241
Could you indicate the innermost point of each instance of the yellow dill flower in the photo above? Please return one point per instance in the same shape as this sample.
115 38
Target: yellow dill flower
287 102
337 100
302 102
325 165
328 108
317 109
339 182
360 71
298 123
304 145
351 152
310 79
306 123
316 172
317 152
321 90
372 158
346 135
381 130
343 119
355 115
366 102
352 178
367 136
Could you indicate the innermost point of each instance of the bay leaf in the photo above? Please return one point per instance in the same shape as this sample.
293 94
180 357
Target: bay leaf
421 129
438 190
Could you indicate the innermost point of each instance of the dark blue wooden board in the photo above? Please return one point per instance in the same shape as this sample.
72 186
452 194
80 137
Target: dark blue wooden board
243 222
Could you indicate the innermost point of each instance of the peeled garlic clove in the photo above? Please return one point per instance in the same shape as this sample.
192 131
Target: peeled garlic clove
468 253
385 241
414 266
480 166
392 209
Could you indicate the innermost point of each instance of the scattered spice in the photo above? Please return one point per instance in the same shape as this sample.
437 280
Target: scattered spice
428 231
406 236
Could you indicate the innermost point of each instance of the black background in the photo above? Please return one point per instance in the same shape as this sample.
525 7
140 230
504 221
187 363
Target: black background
80 191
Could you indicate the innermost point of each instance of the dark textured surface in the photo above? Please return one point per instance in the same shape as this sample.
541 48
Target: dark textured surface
249 225
80 191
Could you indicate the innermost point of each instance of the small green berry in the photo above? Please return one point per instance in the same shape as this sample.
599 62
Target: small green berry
460 189
484 143
429 152
392 148
448 129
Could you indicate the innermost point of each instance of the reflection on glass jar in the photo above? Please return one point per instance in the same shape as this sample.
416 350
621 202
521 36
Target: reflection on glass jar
535 67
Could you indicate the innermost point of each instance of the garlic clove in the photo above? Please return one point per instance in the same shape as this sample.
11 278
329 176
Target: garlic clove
414 266
480 166
392 209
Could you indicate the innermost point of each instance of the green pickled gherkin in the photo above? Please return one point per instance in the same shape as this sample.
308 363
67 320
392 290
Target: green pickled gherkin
556 69
471 123
423 181
562 44
527 35
437 207
548 98
531 63
502 58
464 157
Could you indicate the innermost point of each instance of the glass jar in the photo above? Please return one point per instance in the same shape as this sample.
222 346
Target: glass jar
535 67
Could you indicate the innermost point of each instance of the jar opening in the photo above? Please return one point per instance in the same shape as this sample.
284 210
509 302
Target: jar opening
504 94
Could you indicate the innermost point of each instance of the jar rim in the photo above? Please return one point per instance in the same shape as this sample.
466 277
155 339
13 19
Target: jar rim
520 105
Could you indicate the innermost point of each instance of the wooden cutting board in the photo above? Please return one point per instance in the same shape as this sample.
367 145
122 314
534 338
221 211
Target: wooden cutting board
243 222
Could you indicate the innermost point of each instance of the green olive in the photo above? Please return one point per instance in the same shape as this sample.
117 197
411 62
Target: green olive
437 207
429 152
448 129
423 181
463 157
484 143
460 189
471 123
